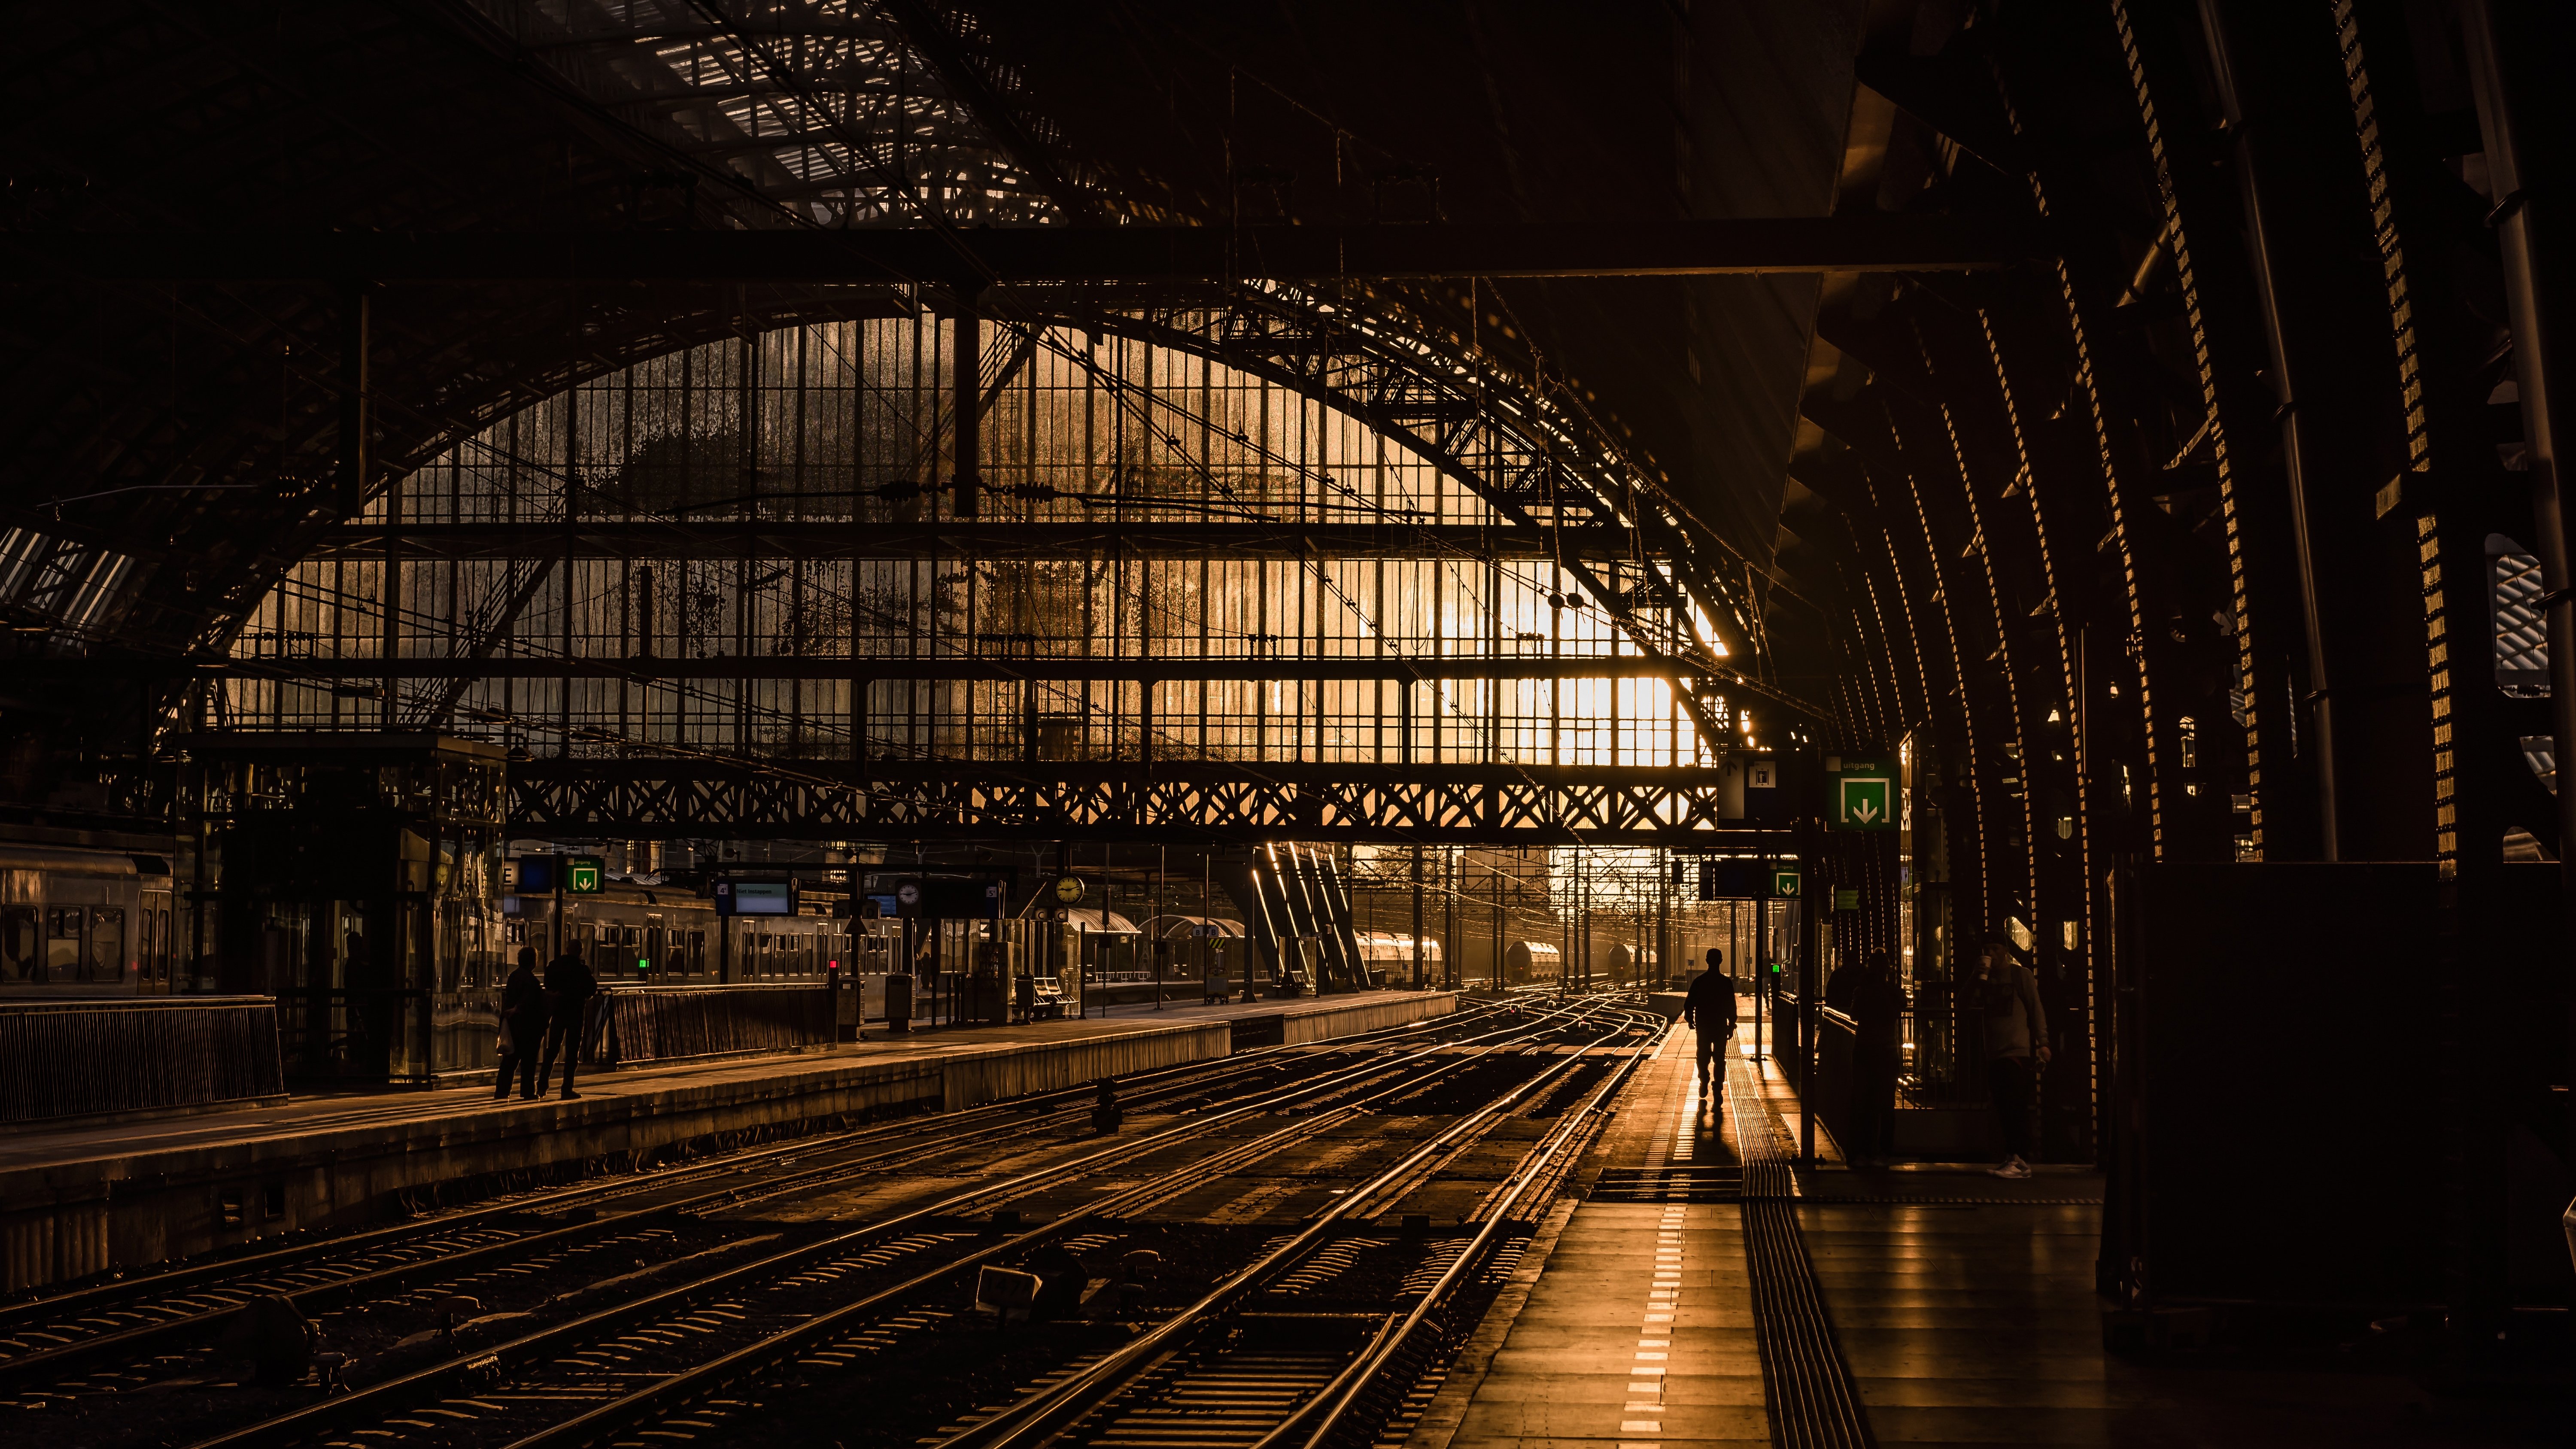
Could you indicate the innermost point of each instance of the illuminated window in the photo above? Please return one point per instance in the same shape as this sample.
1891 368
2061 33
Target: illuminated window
2190 744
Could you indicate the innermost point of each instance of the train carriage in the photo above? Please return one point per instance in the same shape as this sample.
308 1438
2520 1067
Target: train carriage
80 922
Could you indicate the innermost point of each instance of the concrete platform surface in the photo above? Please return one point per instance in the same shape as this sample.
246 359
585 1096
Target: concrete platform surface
79 1200
1635 1329
1962 1305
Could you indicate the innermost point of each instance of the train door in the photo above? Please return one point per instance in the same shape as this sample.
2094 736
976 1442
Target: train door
22 945
153 954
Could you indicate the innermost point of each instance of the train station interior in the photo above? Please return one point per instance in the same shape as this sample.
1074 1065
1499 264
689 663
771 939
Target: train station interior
1144 724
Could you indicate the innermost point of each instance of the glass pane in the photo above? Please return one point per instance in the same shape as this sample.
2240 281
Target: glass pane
63 943
107 944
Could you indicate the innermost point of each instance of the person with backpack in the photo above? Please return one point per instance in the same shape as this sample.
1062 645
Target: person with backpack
569 988
1709 1009
523 1027
2016 1025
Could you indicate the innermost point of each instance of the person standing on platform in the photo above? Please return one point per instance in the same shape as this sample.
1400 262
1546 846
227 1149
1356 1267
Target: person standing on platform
1839 988
1878 1024
569 988
523 1017
1709 1010
2016 1048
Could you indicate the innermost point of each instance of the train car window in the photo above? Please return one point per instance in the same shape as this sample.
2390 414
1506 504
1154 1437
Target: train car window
22 950
63 955
697 953
107 943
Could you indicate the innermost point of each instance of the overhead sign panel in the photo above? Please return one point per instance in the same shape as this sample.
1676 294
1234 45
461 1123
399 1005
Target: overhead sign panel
531 875
1745 880
755 897
1865 793
1766 797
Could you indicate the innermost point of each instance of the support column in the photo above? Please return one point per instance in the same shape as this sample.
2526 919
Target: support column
356 419
1449 916
389 648
2532 225
968 381
1419 963
1663 921
2340 423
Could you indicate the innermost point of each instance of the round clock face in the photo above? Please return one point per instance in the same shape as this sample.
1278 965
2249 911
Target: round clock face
1068 890
908 893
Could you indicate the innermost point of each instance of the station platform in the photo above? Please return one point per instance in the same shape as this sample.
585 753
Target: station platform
1696 1288
80 1200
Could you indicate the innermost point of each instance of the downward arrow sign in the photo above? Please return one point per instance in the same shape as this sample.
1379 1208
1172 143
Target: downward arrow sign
1865 811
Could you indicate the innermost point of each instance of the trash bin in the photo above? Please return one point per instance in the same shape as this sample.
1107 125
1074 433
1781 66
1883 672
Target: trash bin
898 1004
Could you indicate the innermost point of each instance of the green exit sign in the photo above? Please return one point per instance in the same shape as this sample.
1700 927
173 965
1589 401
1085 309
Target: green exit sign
1784 884
583 875
1864 793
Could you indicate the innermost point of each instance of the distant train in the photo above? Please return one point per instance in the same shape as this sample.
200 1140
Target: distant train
1631 965
1529 962
79 922
1388 956
635 936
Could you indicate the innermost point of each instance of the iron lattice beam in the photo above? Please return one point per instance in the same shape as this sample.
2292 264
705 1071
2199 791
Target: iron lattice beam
1861 243
784 539
1168 670
1205 801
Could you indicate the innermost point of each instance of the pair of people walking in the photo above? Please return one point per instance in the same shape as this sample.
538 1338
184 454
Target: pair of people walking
2005 995
542 1019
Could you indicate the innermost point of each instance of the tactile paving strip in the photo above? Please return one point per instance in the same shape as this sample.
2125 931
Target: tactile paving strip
1814 1404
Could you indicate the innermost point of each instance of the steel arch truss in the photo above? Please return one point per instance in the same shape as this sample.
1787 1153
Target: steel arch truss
1498 436
835 112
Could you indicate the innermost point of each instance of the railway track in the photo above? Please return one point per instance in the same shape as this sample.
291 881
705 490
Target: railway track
122 1335
1224 1373
670 1352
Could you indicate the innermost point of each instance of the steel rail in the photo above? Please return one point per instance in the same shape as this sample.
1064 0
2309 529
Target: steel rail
609 1420
1389 1347
535 1346
1002 1121
1038 1416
